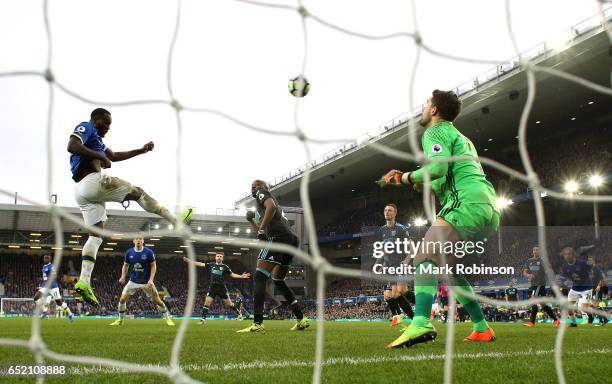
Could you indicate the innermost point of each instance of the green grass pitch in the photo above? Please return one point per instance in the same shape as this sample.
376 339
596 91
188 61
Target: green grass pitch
354 352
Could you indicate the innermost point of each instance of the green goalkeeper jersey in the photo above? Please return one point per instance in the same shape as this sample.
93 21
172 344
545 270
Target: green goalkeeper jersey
464 181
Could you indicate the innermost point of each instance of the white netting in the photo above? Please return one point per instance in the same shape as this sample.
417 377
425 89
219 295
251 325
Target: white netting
318 263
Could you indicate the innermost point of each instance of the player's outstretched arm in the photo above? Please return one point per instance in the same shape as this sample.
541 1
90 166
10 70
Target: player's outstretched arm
196 263
77 148
120 156
245 275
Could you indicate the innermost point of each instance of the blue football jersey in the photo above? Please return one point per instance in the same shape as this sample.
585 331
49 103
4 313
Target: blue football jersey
46 274
580 274
88 134
140 264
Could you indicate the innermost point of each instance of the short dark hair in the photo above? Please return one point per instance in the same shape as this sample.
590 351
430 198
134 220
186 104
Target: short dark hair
99 112
391 205
448 104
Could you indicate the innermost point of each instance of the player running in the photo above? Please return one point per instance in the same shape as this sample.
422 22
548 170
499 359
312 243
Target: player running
394 292
468 213
93 188
239 301
534 271
140 261
53 292
217 288
273 227
578 275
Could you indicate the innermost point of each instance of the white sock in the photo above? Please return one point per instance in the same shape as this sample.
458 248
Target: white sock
121 309
88 257
65 308
151 205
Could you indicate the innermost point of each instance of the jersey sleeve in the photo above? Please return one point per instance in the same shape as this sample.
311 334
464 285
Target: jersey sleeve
152 255
125 258
228 270
82 132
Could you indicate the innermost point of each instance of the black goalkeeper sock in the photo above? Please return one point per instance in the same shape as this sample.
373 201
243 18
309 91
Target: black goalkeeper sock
549 312
259 295
405 306
534 313
393 306
204 311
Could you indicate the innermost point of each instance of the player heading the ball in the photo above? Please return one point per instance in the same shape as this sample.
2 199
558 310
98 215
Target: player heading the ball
89 156
271 225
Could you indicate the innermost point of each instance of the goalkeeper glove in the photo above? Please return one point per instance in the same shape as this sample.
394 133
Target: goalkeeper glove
250 215
261 235
393 177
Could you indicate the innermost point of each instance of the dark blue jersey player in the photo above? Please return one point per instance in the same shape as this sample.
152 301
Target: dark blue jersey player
578 275
88 156
140 262
52 293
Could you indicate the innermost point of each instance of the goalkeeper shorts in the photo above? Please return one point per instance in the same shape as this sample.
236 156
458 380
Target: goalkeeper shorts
472 221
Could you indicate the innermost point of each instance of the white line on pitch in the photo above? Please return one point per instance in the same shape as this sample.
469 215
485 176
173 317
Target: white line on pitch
340 361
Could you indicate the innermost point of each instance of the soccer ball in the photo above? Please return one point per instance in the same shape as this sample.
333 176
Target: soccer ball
299 86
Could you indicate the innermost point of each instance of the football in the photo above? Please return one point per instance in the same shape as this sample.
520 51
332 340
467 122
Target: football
299 86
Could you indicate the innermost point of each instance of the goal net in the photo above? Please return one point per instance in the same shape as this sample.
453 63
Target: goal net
322 268
16 306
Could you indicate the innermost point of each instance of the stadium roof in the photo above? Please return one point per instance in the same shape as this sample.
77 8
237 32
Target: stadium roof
27 226
492 106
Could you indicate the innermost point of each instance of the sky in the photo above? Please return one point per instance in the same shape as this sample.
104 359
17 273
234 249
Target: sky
235 58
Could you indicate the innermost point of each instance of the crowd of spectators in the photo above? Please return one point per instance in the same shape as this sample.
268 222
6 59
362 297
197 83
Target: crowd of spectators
20 276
